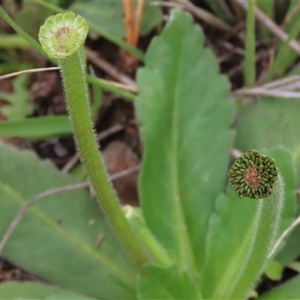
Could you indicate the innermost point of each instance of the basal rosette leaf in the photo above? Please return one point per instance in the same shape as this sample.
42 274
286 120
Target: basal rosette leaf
56 238
185 112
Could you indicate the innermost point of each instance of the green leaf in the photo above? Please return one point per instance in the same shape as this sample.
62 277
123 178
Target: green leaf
36 128
232 233
18 107
56 239
185 113
170 283
27 290
288 290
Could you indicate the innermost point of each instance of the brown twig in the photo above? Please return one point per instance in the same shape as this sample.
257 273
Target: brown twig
108 68
22 212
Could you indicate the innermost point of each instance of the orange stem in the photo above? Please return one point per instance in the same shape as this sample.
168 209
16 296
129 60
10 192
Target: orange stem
129 21
138 21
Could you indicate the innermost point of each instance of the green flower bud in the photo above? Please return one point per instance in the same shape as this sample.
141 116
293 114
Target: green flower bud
63 34
253 175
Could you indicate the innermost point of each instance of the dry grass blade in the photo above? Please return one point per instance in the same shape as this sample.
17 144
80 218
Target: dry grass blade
283 236
108 68
28 71
260 91
289 16
282 88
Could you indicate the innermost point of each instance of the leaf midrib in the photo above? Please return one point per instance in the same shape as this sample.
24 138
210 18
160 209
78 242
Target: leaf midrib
187 260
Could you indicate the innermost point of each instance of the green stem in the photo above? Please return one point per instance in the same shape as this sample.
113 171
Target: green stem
266 223
61 37
76 94
136 219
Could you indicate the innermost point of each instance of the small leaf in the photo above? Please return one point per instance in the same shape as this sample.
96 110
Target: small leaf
36 128
185 113
170 283
18 107
274 270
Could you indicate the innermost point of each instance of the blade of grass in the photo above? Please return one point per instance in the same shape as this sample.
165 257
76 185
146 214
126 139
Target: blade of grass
285 57
36 128
249 71
271 25
268 8
221 10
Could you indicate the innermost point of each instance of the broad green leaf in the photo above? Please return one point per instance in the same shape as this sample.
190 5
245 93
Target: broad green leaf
29 290
36 128
185 113
170 283
56 239
233 231
109 15
287 290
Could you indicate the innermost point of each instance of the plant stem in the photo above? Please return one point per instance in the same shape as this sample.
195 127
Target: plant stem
268 216
62 37
76 93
